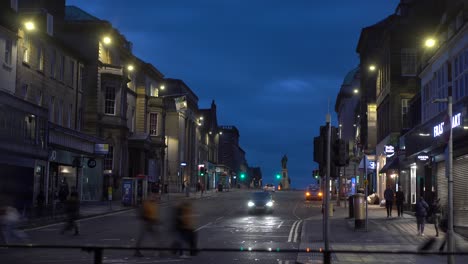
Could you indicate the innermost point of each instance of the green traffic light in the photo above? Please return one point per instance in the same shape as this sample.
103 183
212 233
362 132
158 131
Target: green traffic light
278 176
242 176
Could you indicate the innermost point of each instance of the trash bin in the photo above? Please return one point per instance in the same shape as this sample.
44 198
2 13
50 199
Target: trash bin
351 206
359 211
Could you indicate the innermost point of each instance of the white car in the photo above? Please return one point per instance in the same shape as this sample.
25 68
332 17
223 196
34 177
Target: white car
269 188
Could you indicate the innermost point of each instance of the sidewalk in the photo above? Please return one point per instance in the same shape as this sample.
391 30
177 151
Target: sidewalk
97 208
395 234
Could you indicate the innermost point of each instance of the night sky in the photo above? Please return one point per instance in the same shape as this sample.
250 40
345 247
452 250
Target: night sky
271 66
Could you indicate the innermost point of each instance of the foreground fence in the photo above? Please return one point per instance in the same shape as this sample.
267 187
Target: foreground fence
98 251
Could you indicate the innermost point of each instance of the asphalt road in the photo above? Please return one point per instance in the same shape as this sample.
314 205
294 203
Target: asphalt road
222 222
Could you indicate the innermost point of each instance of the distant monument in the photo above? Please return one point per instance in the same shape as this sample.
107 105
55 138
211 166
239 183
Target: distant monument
285 181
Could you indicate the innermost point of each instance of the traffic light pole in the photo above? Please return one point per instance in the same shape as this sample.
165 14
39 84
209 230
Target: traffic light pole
326 193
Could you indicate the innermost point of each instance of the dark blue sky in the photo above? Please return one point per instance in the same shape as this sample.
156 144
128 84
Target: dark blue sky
270 65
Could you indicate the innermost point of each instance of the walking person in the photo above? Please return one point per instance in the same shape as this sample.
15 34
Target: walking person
421 213
400 200
73 212
149 221
184 228
9 219
436 211
388 195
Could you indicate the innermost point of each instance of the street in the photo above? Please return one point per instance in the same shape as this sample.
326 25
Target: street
222 222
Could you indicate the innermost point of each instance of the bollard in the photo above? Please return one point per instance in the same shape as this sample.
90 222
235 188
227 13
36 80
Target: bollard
359 211
351 206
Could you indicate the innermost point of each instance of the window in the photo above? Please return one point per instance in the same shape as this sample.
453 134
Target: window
53 58
408 62
62 68
50 25
153 90
39 98
24 90
109 159
26 48
8 51
109 106
71 73
60 113
78 122
404 113
153 124
51 108
69 119
30 127
40 59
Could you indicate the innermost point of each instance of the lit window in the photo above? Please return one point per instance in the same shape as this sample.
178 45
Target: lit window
40 59
109 107
26 48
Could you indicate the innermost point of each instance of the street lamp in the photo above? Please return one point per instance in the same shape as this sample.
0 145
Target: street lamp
372 68
29 26
430 42
449 173
107 40
355 91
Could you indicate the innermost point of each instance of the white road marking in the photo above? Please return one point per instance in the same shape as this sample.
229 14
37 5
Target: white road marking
291 232
203 226
280 224
296 233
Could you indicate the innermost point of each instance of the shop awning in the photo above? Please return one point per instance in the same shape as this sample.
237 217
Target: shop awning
394 164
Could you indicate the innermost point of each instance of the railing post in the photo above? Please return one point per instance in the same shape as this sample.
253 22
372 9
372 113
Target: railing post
98 255
326 257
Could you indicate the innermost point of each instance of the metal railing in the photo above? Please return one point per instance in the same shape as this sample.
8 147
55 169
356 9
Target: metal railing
98 251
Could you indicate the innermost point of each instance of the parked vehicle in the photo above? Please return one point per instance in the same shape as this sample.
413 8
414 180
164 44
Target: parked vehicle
269 188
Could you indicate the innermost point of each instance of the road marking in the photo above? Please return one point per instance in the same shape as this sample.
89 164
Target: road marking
203 226
296 233
219 218
280 224
291 232
294 211
110 239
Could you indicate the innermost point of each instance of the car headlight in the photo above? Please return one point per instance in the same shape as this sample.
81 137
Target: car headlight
269 204
307 193
250 204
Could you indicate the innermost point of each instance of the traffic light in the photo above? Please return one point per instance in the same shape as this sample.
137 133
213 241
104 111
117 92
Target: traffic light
242 176
201 170
278 176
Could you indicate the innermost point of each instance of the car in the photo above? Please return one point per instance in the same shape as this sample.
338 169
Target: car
313 193
269 188
260 201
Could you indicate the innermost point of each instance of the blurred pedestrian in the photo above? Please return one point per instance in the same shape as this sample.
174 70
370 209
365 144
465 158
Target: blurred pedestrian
184 227
187 189
436 211
149 217
421 213
9 219
400 200
388 195
72 208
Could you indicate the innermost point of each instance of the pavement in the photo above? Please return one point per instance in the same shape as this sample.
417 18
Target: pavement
99 208
383 234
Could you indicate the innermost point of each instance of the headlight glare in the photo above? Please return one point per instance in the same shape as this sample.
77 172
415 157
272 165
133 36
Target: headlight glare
250 204
269 204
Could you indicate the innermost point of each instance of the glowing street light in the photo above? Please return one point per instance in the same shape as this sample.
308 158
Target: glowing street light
430 42
29 26
130 67
162 87
372 68
355 91
107 40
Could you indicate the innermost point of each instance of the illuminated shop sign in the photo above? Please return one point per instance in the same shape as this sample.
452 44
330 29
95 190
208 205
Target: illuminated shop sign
439 128
389 151
423 157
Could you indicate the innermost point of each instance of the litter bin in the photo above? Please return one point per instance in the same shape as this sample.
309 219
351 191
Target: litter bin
351 206
359 211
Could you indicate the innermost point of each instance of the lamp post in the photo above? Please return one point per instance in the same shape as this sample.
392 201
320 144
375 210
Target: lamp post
449 174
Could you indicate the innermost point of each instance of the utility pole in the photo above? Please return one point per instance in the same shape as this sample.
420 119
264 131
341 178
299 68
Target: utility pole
450 242
327 256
